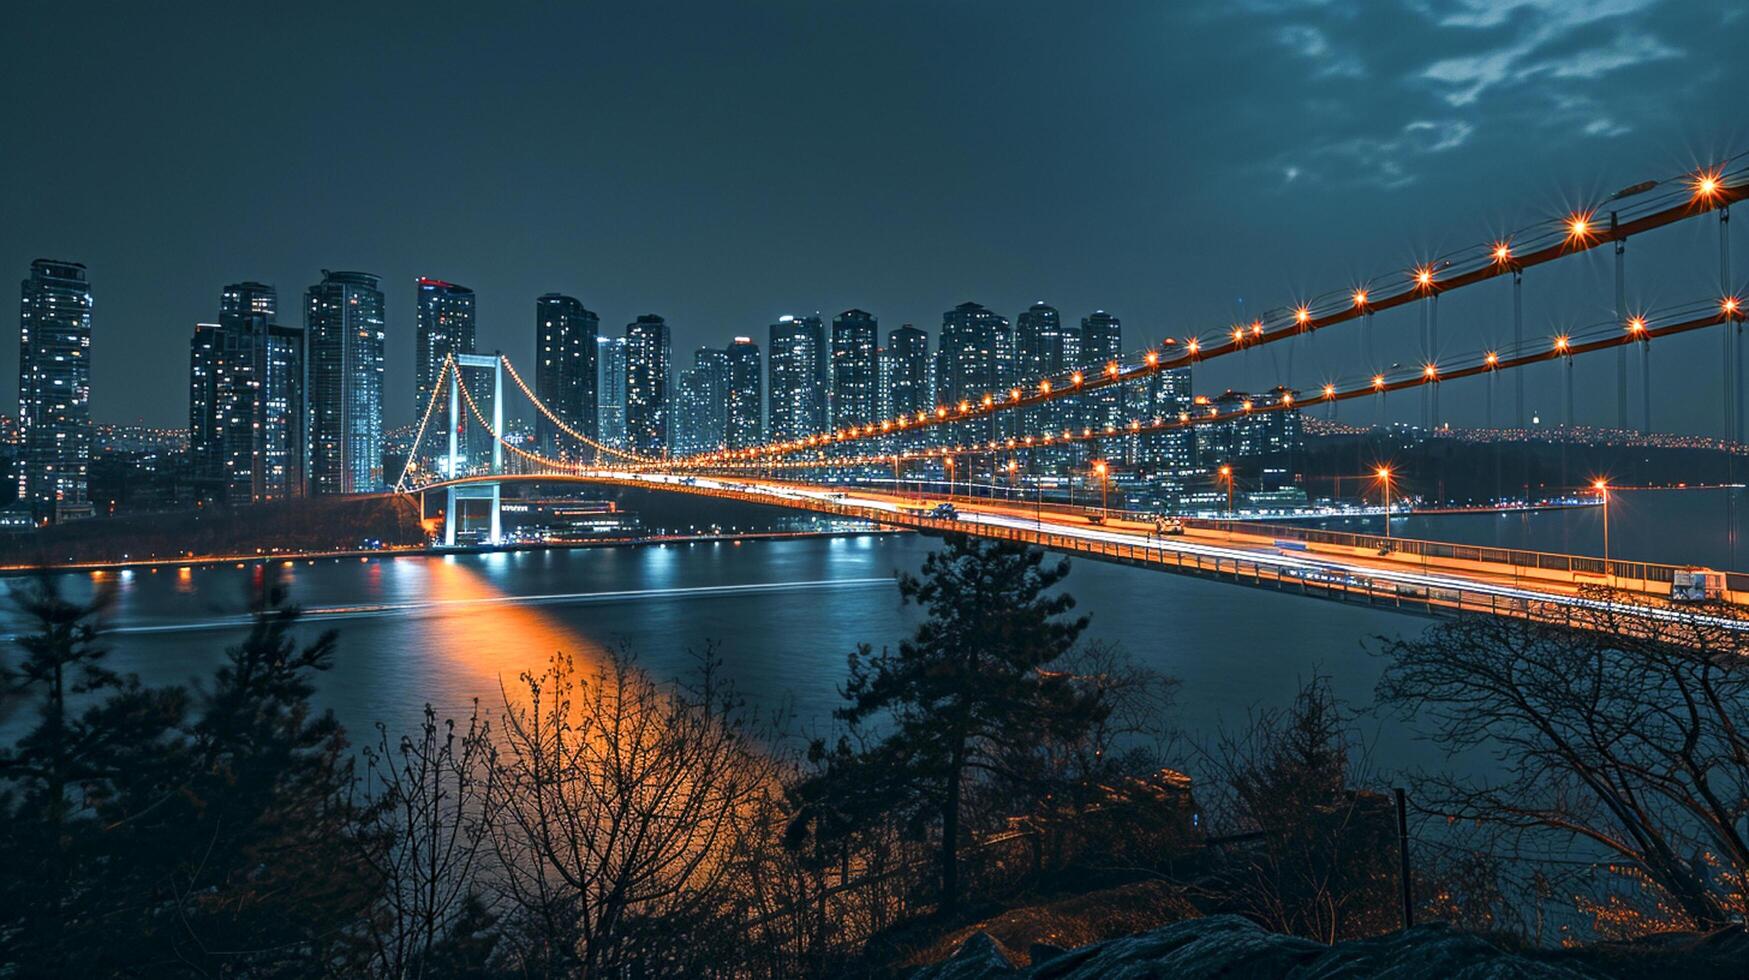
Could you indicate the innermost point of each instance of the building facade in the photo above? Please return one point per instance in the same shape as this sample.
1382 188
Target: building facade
54 391
343 331
797 378
610 390
701 403
744 425
444 326
648 350
1101 344
566 345
855 369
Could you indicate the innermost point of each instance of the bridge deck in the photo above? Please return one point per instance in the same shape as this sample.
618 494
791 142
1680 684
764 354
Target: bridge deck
1415 580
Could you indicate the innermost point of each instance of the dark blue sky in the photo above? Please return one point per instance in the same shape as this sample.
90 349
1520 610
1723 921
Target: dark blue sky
724 163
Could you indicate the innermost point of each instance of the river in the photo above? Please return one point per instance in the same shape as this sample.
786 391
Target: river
783 615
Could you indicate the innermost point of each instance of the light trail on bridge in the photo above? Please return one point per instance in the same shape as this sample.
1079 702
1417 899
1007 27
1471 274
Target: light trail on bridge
1383 575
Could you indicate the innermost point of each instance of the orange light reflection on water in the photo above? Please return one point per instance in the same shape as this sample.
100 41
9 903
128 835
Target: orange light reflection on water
480 644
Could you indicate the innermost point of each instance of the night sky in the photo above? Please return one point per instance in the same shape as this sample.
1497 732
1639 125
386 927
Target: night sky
1180 164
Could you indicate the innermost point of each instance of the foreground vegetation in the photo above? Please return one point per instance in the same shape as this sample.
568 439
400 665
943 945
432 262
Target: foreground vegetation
601 822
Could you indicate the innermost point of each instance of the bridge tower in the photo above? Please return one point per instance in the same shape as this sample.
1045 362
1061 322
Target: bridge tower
457 464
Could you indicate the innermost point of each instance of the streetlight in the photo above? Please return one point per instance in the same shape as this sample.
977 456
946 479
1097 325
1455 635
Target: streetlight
1227 474
1602 488
1013 468
1384 475
950 477
1100 468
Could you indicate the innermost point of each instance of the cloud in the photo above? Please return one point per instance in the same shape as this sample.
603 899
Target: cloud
1386 163
1532 27
1312 44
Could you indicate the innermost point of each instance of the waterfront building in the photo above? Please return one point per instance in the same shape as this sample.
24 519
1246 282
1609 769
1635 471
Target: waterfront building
647 358
444 326
1101 343
54 391
566 345
798 379
744 425
610 389
701 403
1266 444
855 372
344 334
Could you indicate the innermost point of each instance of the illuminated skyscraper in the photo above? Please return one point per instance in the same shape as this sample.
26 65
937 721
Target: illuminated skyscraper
343 326
1101 344
701 403
905 388
610 412
247 412
798 378
975 357
855 369
744 426
566 344
445 326
647 398
54 391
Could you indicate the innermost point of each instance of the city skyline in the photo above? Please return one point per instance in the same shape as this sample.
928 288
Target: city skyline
1183 210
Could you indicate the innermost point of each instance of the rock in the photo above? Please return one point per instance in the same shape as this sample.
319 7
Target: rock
979 958
1228 946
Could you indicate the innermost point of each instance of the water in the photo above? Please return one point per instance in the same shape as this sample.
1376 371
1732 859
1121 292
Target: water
784 614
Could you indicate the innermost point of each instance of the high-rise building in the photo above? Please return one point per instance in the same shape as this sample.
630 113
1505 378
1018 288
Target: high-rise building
647 407
445 326
54 391
205 442
855 369
343 327
1046 348
701 403
1101 344
797 383
566 344
1265 443
247 412
714 362
610 411
975 357
1159 397
1043 346
744 427
905 386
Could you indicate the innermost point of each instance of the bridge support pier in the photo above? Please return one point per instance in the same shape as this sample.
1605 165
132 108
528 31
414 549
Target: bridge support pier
455 464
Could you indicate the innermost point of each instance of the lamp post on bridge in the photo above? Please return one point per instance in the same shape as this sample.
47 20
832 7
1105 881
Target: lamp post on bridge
1226 472
1602 488
1384 475
1101 469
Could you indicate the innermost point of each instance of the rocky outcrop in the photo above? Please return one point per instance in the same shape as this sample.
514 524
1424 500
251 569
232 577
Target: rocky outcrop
1227 946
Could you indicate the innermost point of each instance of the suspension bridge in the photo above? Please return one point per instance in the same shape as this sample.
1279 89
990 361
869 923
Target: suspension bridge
890 470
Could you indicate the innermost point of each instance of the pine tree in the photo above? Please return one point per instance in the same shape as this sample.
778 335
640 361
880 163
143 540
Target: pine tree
956 705
104 750
273 877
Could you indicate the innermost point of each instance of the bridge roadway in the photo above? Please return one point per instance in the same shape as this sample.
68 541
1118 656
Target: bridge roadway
1402 579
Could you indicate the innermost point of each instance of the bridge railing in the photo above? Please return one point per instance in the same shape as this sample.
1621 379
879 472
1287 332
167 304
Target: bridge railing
1486 554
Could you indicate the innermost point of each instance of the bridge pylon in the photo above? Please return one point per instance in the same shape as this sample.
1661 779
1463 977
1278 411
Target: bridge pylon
459 462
